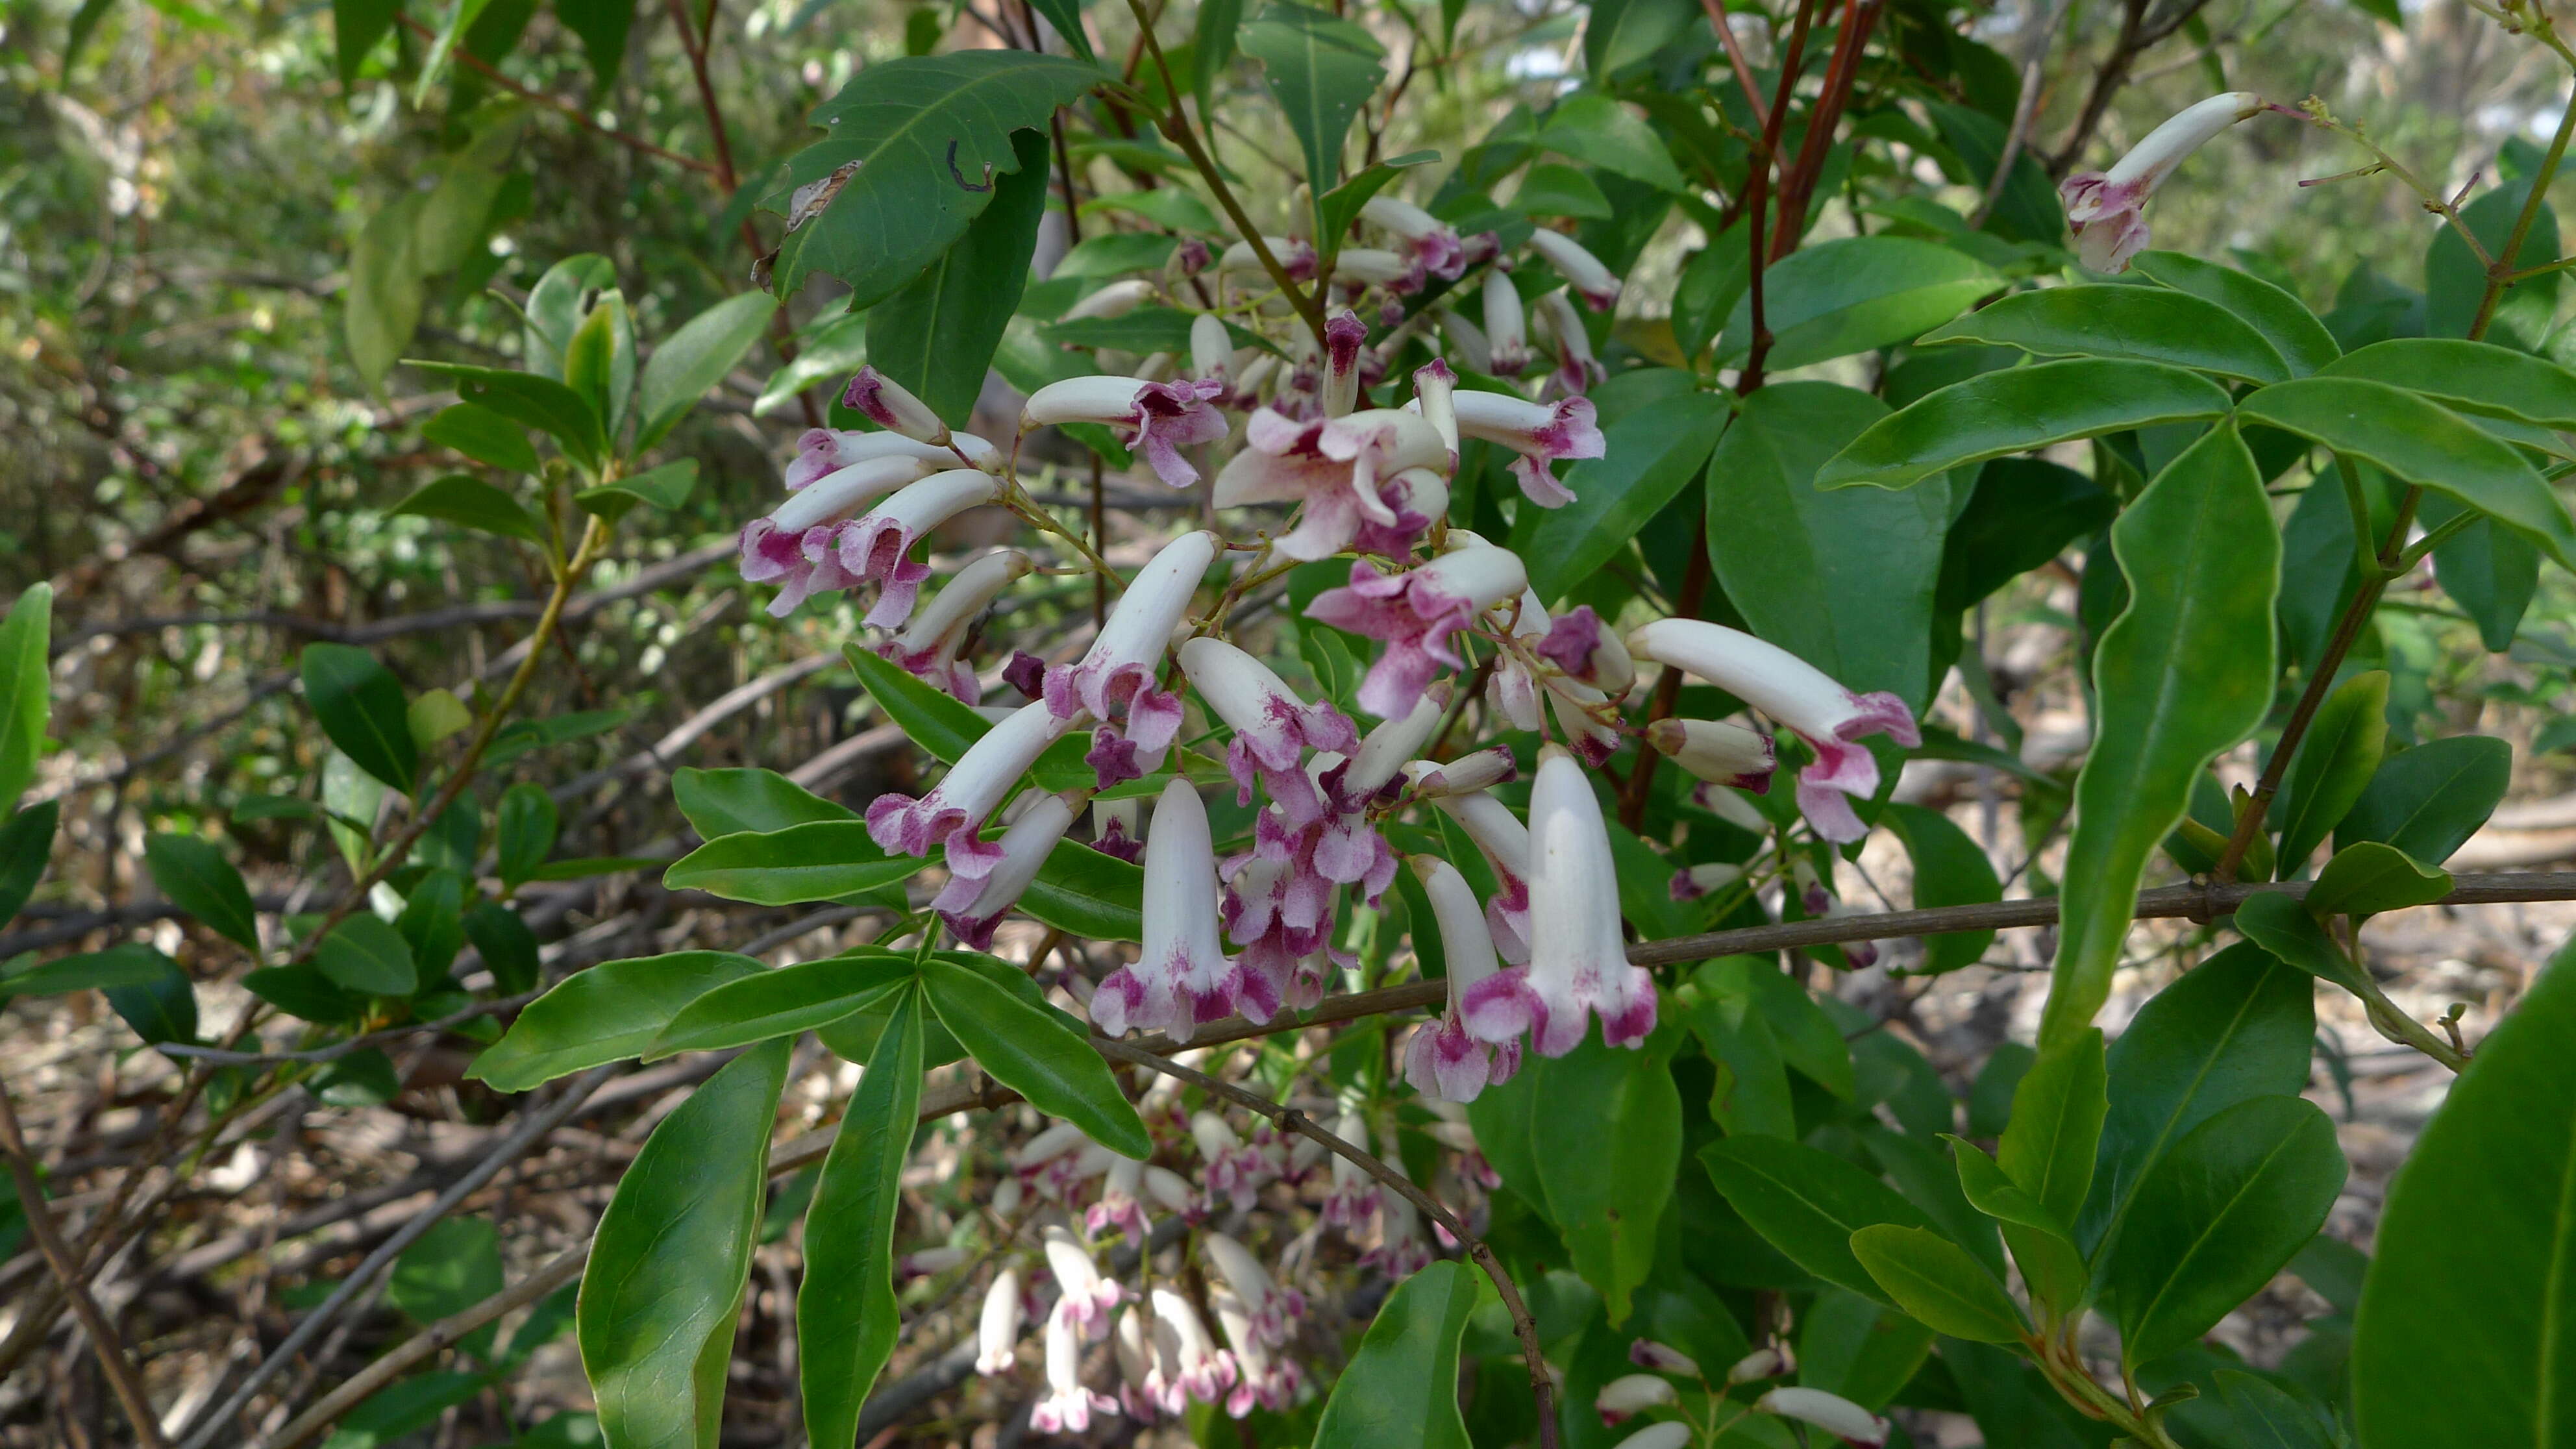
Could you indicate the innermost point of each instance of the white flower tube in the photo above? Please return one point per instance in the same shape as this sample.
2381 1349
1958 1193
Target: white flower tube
1211 348
1670 1434
1506 326
1115 300
2107 209
1663 1358
1629 1395
821 452
1344 335
927 647
1068 1406
1088 1296
956 808
1466 339
1578 963
1349 472
1713 750
1161 418
1431 239
1481 770
1272 727
1694 881
1576 367
972 906
1443 1061
1505 843
997 1332
1434 387
1799 695
792 544
877 546
1580 268
1196 1367
1273 1310
1118 677
1832 1413
1540 432
1183 977
1415 613
1761 1363
1399 273
1295 255
890 405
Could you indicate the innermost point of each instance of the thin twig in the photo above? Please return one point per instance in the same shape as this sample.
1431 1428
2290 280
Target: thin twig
493 73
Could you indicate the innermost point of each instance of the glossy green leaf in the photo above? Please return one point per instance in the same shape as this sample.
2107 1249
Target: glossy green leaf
539 402
198 880
2269 1417
118 966
26 686
2022 513
1087 894
1037 1054
917 143
2463 1334
2237 1026
2492 572
2421 442
1319 68
846 1319
696 358
367 955
2294 332
1855 294
608 1013
1065 18
1930 1181
1808 1203
592 363
2469 377
1842 579
1936 1281
936 336
1857 1348
2185 672
2367 877
556 305
663 1288
2285 928
1213 32
507 946
2224 1210
1652 455
361 1079
1168 207
665 487
524 831
2143 324
432 924
402 1411
2042 1242
1950 869
1590 126
1610 1135
939 723
360 706
2455 280
26 843
1554 189
482 435
819 861
2429 800
475 504
2019 409
1401 1386
2336 759
603 26
783 1002
450 1268
1809 1041
2049 1146
381 306
1752 1091
1622 33
729 802
357 28
1338 208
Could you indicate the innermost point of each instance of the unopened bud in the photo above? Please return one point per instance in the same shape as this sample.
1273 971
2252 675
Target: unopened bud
891 406
1662 1358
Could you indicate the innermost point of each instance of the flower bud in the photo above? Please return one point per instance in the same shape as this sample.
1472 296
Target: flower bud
1762 1363
1713 750
1832 1413
1506 326
1629 1395
1115 300
888 404
1579 267
1663 1358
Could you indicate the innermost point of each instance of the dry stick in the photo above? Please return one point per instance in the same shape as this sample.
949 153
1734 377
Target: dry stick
492 73
1542 1388
527 1135
103 1339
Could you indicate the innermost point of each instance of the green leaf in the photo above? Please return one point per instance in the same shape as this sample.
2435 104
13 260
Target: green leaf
506 944
1336 209
2185 672
1752 1092
1856 1348
846 1319
401 1411
2294 332
2042 1244
2336 760
357 28
450 1268
1808 1203
1950 869
118 966
1843 580
1552 188
556 305
919 141
1935 1280
2489 570
367 955
729 802
937 335
1212 45
198 880
2228 1205
665 487
2285 928
383 300
525 831
1622 33
472 503
1319 68
1087 894
608 1013
819 861
2019 409
2238 1026
460 17
2455 281
1808 1039
1652 454
1036 1053
2268 1416
2469 377
1610 1138
301 991
26 843
1168 207
484 436
2462 1337
1590 126
26 686
2424 443
2050 1142
2366 877
526 397
432 924
1852 295
591 363
783 1002
664 1284
583 867
942 724
1401 1386
603 26
696 358
1066 17
2429 800
2143 324
1115 253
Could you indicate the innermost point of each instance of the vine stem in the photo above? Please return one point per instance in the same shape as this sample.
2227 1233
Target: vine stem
1289 1119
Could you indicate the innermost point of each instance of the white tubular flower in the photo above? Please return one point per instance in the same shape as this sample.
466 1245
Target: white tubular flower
1354 1193
2107 209
1434 386
1692 882
1625 1397
1256 376
1415 612
1434 241
1832 1413
1133 1343
997 1333
1663 1358
930 1262
821 452
1799 695
1578 963
1121 1201
1234 1170
1730 807
1088 1296
1273 1310
1054 1141
1117 679
1506 326
1715 751
793 543
1068 1406
1761 1363
1398 273
1540 432
1481 770
1171 1190
1183 977
1211 348
1580 268
955 809
1576 367
1115 300
1189 1362
1161 418
1344 335
1443 1061
1272 727
1006 1198
888 404
1259 1378
1366 776
1505 843
1466 339
1344 470
1670 1434
1573 701
877 546
1578 644
972 907
1296 257
1118 828
1155 367
927 647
